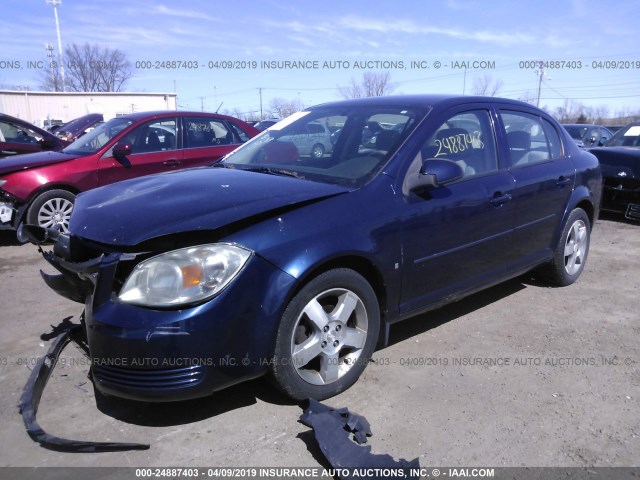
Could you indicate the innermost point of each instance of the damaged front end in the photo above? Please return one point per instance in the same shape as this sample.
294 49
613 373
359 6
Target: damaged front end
75 285
160 352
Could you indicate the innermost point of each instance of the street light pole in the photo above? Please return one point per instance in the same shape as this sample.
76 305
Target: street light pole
55 4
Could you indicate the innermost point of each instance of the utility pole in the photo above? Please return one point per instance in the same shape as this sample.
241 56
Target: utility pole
54 76
464 82
55 4
260 90
540 72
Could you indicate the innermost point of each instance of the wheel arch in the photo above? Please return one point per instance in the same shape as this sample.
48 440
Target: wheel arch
39 191
367 269
581 198
52 186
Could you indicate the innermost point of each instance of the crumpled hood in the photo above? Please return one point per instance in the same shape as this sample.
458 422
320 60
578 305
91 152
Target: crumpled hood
32 160
127 213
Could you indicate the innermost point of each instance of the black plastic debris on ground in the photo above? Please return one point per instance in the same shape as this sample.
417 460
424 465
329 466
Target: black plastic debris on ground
333 427
30 400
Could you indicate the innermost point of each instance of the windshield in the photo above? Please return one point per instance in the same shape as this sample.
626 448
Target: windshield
576 132
626 137
98 137
341 145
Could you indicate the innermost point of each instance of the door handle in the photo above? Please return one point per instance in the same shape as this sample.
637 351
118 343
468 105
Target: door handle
562 181
498 199
172 163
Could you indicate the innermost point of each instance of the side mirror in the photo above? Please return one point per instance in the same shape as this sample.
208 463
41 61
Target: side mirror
434 173
121 151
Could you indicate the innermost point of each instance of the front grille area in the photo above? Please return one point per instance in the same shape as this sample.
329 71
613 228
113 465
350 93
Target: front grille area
167 379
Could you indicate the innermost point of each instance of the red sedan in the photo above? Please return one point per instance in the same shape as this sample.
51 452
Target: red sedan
40 188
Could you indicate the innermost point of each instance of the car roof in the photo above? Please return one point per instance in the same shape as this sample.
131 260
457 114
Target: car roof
425 100
169 113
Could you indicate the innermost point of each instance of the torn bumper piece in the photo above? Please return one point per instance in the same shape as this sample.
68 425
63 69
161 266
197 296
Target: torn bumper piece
332 428
30 400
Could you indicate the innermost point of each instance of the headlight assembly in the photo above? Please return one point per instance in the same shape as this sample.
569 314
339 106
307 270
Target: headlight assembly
184 276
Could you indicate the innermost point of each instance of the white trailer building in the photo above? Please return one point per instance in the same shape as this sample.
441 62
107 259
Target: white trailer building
38 107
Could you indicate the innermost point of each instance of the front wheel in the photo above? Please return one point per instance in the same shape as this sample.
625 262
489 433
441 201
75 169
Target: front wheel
327 335
571 252
52 209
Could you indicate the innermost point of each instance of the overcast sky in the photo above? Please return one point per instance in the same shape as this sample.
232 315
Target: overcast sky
427 46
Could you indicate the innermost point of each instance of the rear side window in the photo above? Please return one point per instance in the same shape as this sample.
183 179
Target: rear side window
203 132
241 134
530 139
554 139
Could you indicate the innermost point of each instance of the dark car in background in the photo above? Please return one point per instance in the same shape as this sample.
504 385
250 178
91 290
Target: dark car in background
40 188
270 262
588 135
77 127
620 162
18 137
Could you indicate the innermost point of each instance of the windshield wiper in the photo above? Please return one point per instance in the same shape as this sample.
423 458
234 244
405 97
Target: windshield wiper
262 169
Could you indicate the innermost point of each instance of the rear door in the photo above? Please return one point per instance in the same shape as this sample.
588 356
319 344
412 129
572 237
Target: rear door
544 179
457 237
154 150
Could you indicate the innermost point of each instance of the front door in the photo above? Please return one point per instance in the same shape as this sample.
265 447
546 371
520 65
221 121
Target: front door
457 237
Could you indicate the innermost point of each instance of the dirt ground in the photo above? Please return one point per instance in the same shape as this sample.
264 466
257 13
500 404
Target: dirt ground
518 375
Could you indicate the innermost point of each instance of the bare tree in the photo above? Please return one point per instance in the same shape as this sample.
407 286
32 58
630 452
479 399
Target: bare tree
485 86
89 68
373 84
282 108
528 97
600 114
572 112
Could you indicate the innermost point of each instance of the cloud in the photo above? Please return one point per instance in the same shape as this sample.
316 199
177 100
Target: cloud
408 27
182 13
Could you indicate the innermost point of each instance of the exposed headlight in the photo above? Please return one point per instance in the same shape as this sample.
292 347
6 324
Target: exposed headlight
184 276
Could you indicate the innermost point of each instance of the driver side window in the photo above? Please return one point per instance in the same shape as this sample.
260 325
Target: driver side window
467 139
154 136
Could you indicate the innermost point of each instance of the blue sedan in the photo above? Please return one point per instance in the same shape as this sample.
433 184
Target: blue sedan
274 262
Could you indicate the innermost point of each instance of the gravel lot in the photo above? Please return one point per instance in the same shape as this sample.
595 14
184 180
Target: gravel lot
518 375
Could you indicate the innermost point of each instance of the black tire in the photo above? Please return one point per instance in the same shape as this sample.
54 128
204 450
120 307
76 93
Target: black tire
317 151
571 252
52 209
338 348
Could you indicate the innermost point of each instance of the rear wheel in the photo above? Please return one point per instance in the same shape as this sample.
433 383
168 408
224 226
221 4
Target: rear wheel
52 209
571 252
327 335
317 151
